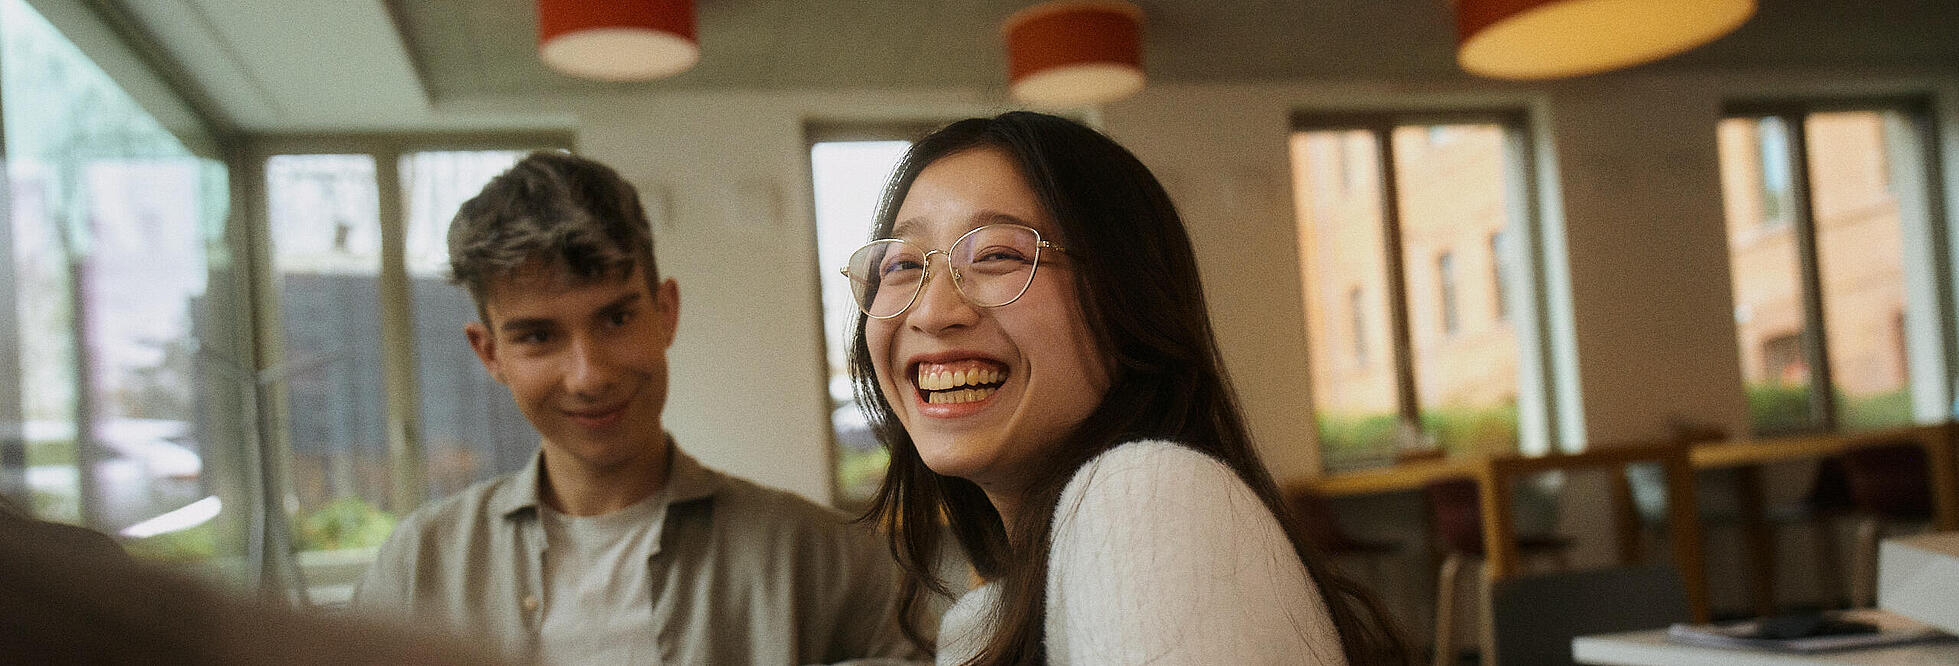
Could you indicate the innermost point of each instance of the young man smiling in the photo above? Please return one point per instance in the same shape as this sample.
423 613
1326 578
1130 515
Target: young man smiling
613 545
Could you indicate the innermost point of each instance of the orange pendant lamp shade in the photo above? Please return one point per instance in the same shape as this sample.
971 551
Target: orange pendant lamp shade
1544 39
1073 53
617 40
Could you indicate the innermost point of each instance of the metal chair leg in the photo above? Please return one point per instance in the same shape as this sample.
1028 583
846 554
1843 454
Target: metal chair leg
1863 584
1445 608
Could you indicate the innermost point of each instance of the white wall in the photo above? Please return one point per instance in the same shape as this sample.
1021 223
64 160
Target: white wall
1635 190
726 180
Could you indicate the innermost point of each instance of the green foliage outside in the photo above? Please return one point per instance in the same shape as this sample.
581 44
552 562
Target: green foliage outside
348 522
194 543
1780 409
1472 430
860 472
1350 440
1874 412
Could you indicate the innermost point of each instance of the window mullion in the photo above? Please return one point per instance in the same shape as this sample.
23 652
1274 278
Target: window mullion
398 339
269 547
1822 394
1402 341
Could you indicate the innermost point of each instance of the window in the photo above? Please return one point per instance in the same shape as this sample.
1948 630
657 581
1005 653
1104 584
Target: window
1501 267
121 384
1449 379
848 175
377 404
1772 155
1357 319
1445 278
1818 298
326 262
470 427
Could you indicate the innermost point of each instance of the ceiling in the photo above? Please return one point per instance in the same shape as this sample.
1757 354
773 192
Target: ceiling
366 65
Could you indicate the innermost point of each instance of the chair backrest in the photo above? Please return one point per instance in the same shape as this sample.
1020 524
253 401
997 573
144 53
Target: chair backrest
1890 480
1535 617
1829 491
1458 514
1316 520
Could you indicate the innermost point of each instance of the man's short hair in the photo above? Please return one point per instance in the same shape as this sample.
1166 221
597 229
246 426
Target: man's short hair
570 213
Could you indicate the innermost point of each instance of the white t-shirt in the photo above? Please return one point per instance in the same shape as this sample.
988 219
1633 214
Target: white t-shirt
598 604
1161 555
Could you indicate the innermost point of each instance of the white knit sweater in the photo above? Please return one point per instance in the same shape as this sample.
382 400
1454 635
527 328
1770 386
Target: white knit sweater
1163 556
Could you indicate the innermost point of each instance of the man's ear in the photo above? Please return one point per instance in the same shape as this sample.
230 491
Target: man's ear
666 301
485 346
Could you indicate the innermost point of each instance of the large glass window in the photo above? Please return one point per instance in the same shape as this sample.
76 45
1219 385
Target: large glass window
848 176
120 389
1383 253
326 259
470 428
1823 279
380 403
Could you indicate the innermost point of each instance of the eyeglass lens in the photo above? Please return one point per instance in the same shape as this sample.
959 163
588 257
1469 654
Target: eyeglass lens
991 266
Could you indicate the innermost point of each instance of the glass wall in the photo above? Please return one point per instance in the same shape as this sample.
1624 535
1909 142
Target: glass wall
470 428
325 242
122 390
380 402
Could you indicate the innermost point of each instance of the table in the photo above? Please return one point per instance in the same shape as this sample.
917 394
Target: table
1495 476
1396 478
1747 456
1940 458
1651 648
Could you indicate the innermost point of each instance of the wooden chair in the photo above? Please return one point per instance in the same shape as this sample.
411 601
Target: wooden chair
1322 529
1455 507
1495 481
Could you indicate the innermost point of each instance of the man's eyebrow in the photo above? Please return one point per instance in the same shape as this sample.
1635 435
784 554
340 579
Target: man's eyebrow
621 303
526 324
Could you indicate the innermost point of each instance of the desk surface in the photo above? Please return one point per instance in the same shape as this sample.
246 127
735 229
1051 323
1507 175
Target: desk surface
1651 648
1402 477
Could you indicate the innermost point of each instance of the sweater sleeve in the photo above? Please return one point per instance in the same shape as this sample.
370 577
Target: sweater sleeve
1163 555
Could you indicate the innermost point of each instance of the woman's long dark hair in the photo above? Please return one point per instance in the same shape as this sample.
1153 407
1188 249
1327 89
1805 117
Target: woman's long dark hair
1137 280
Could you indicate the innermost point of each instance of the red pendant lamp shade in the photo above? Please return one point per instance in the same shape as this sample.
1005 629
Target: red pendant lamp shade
617 40
1544 39
1073 53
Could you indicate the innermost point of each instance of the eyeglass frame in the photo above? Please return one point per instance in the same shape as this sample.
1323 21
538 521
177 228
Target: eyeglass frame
1040 245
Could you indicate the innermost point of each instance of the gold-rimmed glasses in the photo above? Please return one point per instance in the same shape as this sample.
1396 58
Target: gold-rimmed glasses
991 266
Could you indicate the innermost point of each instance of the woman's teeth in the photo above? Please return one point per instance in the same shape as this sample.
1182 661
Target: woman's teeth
965 382
962 395
939 379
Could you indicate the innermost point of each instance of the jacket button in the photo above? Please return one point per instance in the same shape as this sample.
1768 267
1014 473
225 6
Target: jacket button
530 603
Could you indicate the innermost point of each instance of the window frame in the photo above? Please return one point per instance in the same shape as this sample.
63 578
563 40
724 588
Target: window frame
1921 112
818 131
1539 426
402 394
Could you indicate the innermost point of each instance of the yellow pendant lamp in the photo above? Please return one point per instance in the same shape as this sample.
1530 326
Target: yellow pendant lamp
1547 39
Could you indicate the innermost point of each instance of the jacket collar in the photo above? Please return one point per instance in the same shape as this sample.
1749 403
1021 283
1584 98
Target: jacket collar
687 481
